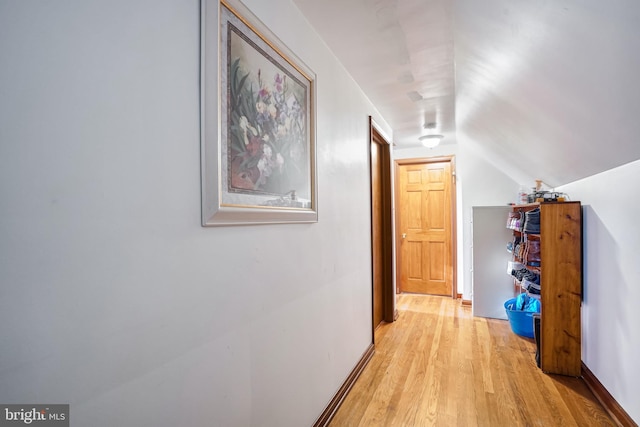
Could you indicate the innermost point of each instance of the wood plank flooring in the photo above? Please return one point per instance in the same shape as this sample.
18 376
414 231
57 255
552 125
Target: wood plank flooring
437 365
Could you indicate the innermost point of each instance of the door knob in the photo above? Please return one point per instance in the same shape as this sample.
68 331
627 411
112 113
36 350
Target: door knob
404 235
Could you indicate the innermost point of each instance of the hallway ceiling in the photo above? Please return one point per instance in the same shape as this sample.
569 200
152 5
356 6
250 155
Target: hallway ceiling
401 54
541 89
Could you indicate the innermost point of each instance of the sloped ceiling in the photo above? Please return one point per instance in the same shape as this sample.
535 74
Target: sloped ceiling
400 53
542 88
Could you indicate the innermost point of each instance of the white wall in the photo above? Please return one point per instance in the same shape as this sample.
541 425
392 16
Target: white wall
610 315
113 297
483 184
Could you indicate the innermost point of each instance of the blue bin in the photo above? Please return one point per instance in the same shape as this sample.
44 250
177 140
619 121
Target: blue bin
521 321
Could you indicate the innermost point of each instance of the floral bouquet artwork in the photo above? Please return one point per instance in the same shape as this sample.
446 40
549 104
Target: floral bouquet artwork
258 126
267 133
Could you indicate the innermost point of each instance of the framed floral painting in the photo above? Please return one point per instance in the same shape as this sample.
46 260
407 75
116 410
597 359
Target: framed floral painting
258 123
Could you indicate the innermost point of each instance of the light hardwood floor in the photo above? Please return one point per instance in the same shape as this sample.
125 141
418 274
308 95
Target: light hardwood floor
437 365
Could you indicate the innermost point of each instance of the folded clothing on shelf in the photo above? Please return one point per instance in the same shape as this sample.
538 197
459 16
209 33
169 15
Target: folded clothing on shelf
515 221
532 221
533 253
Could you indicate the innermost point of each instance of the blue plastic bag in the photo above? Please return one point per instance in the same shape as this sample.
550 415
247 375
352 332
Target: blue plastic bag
525 303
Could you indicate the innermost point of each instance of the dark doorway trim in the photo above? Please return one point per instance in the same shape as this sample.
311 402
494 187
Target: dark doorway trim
389 313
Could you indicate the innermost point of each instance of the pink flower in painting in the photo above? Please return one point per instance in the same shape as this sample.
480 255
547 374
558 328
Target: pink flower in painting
278 82
253 147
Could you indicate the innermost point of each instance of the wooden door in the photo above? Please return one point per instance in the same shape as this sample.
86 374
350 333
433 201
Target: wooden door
425 226
376 233
381 230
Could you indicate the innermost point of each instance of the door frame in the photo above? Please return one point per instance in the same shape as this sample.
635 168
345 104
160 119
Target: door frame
376 136
454 243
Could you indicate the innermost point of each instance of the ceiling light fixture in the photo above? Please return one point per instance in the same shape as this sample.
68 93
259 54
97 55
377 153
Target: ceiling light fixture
431 141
